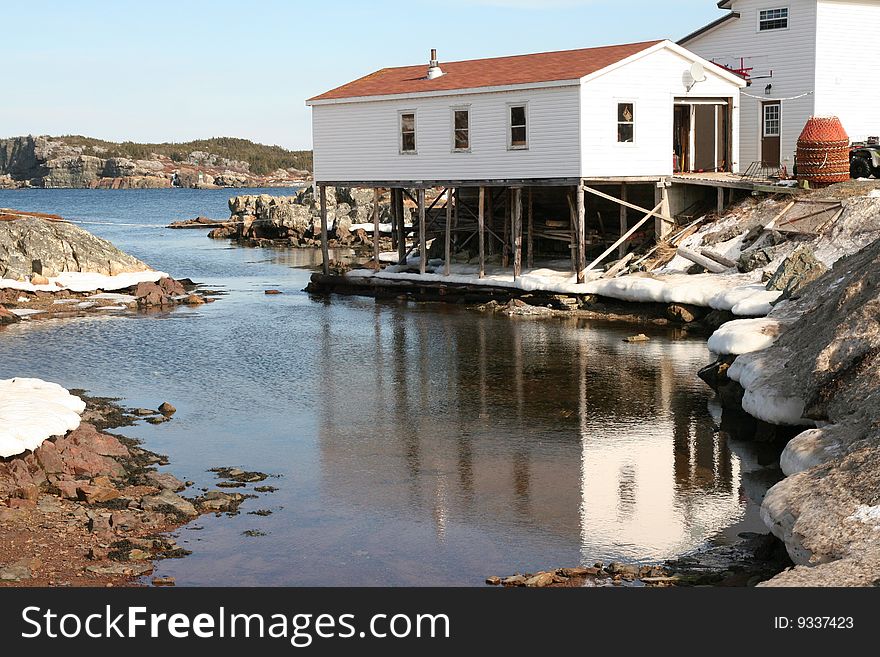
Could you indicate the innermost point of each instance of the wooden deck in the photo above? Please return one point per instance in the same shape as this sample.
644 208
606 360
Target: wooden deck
732 181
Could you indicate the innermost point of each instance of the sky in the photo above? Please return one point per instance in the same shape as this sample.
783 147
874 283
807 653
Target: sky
155 71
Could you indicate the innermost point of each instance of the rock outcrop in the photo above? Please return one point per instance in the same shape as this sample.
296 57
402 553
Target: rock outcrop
51 162
296 220
33 244
827 511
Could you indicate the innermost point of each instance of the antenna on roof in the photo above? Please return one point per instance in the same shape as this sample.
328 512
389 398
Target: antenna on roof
434 70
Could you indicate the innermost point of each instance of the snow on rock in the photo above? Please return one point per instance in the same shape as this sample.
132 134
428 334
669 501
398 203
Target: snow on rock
32 410
743 336
811 448
761 398
83 281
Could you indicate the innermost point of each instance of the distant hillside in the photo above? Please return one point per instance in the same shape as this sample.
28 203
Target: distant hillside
74 161
262 159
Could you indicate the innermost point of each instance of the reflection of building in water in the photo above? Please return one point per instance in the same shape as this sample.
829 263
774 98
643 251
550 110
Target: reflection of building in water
525 426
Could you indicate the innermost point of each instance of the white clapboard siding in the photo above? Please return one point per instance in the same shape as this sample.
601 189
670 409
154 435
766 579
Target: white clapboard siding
791 54
358 141
652 83
848 64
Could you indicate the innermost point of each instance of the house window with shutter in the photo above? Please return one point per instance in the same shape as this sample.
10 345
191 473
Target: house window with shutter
461 129
518 133
407 132
773 19
626 123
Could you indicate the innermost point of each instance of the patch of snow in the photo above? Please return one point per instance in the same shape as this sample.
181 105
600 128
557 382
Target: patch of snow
765 403
59 302
87 304
32 410
114 296
762 400
25 312
83 281
742 336
113 308
368 227
698 289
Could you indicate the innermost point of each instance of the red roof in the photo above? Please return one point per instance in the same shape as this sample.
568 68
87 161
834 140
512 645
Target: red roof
493 72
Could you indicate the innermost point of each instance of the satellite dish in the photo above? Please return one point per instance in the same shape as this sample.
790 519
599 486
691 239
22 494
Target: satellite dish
698 73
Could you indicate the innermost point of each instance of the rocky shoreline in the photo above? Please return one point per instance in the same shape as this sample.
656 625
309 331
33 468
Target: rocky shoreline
50 268
92 508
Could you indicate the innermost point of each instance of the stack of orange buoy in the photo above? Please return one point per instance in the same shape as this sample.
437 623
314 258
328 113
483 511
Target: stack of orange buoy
823 151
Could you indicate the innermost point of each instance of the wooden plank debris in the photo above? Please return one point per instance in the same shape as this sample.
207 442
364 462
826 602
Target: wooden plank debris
703 261
717 257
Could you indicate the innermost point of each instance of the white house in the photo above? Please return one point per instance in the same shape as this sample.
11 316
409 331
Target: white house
802 58
548 123
590 113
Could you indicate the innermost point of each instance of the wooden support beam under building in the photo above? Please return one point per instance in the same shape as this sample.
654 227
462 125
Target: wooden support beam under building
490 216
623 238
506 233
624 225
720 207
658 194
423 241
572 230
580 232
325 251
376 226
450 200
397 204
516 228
530 244
481 232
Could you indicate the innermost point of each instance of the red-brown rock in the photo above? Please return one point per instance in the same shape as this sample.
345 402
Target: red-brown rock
49 459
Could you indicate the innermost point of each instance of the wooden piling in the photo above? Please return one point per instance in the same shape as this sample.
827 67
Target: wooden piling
516 228
401 229
450 199
530 256
481 232
506 233
581 235
423 242
490 217
325 250
376 226
624 225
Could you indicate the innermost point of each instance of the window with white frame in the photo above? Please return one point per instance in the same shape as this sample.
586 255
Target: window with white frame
407 131
518 134
461 129
773 19
626 123
771 120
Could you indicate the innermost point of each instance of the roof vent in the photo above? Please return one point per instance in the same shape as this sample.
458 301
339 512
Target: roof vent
434 70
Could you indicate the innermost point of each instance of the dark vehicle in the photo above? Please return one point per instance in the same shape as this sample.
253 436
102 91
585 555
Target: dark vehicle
864 159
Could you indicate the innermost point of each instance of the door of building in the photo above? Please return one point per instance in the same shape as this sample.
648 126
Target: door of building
771 124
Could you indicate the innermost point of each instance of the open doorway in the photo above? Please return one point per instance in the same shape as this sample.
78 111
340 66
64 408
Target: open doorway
701 135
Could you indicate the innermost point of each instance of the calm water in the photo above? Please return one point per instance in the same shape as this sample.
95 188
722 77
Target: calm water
414 444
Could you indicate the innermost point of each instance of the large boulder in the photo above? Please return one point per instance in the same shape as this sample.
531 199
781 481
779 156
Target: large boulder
58 247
